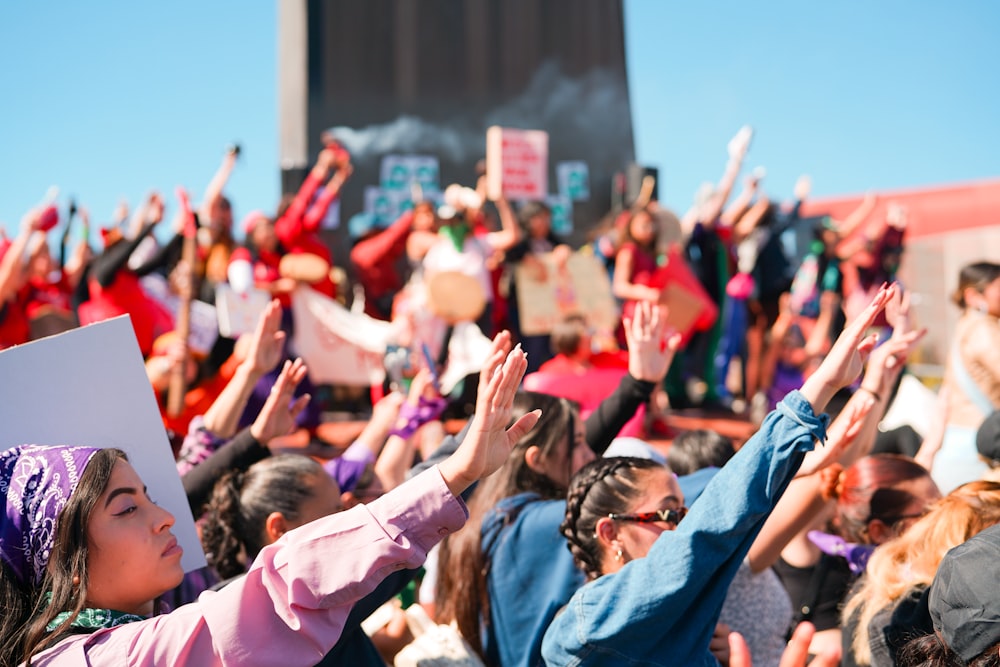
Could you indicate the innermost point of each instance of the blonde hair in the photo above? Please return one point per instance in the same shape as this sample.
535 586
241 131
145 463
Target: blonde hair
912 559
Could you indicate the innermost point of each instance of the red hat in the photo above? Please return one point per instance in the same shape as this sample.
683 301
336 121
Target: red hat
240 254
250 221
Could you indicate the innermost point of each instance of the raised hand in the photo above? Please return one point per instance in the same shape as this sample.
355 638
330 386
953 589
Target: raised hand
795 655
489 442
651 342
278 415
843 363
267 340
842 434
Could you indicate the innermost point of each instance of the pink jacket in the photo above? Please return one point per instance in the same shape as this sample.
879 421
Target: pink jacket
290 608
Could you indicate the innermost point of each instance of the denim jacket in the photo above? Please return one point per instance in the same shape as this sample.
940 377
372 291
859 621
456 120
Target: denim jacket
662 609
531 576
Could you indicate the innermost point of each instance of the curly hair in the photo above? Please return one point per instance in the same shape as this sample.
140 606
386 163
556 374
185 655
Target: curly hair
600 488
234 527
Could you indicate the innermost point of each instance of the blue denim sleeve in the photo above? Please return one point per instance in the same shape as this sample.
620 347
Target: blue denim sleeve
662 609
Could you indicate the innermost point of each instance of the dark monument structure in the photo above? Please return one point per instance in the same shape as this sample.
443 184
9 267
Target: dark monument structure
429 76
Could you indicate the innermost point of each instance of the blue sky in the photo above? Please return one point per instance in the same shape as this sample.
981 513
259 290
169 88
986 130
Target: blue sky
110 99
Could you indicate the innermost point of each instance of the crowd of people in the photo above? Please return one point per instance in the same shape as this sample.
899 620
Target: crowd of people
544 528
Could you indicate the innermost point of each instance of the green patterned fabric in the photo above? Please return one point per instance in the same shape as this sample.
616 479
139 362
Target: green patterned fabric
92 620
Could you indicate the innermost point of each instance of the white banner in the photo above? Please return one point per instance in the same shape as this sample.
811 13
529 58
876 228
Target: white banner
338 346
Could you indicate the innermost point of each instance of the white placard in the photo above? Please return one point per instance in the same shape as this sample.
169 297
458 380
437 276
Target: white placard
517 163
239 313
89 387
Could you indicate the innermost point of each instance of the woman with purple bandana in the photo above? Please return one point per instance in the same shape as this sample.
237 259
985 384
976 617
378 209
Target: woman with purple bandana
85 553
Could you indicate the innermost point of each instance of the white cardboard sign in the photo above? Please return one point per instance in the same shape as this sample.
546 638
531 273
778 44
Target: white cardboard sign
517 163
89 387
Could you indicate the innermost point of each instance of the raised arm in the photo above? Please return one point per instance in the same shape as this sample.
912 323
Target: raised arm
264 353
651 349
213 193
314 216
510 231
12 264
738 147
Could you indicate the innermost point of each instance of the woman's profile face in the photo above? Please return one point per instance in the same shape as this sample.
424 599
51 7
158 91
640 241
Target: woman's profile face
991 297
643 228
567 457
660 491
132 556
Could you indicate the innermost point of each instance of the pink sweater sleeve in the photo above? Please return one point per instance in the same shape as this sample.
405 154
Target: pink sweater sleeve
291 606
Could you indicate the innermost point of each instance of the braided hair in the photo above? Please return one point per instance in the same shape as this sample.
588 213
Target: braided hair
600 488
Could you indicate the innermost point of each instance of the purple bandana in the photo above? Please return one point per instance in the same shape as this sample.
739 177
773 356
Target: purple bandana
36 483
856 555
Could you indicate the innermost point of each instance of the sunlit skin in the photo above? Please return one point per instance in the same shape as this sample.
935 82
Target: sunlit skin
133 557
643 228
987 300
660 491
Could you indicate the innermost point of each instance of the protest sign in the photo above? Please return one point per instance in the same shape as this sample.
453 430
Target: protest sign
516 163
399 172
89 387
581 287
561 208
239 313
574 180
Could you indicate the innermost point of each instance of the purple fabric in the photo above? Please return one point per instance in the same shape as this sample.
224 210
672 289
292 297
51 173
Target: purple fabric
347 472
856 555
411 417
36 482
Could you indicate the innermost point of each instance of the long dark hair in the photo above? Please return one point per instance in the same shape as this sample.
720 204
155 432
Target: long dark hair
25 611
233 531
462 566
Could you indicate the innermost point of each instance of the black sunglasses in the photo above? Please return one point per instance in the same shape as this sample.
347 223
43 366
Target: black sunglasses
667 516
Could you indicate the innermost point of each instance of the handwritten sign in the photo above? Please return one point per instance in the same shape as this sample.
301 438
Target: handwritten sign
516 163
581 287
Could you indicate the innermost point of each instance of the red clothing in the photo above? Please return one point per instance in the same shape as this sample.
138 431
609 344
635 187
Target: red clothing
265 272
14 327
125 296
199 399
43 293
375 259
297 228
